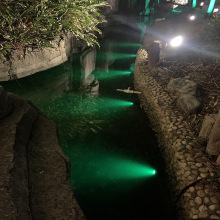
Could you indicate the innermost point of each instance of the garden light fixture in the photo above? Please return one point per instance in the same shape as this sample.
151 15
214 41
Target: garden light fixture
176 41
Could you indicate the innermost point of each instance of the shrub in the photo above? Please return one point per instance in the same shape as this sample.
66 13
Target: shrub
34 23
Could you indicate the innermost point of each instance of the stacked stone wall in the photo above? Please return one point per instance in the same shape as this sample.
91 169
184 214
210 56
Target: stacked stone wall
193 176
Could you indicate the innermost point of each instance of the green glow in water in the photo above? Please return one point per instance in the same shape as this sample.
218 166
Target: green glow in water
103 167
176 10
115 56
112 74
122 44
194 3
211 6
108 102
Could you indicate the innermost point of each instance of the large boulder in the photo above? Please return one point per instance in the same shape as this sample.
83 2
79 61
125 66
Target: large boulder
188 104
207 125
182 86
5 104
213 146
34 172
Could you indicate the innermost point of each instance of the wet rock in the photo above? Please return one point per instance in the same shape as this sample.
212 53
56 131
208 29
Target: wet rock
207 126
188 104
213 146
180 86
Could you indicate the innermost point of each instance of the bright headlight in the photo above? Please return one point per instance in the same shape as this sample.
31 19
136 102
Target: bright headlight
176 41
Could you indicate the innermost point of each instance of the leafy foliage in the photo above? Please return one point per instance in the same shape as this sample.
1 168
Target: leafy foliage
34 23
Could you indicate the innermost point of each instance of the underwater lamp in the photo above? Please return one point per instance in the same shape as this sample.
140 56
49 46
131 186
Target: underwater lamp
176 41
202 3
215 10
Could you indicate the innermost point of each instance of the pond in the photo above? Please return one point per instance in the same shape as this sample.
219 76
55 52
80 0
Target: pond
117 169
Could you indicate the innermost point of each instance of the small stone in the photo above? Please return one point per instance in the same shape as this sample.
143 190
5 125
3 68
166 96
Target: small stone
212 207
206 200
191 189
198 187
203 170
201 193
218 212
194 210
203 215
195 216
194 167
203 175
195 172
214 200
188 147
214 217
199 164
187 173
191 178
198 200
202 208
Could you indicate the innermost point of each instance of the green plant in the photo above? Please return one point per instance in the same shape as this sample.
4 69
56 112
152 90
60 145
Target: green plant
34 23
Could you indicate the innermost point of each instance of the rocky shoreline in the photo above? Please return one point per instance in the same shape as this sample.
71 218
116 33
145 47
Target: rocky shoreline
193 177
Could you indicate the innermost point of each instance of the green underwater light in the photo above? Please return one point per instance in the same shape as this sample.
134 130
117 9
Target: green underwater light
211 6
108 102
194 3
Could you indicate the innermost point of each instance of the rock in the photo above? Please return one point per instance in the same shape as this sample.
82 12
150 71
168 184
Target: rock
213 146
201 193
212 207
214 200
207 126
198 200
5 104
218 160
188 104
22 133
49 171
180 86
14 134
214 217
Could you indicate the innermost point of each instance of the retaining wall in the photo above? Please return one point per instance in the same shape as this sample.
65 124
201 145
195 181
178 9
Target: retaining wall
193 177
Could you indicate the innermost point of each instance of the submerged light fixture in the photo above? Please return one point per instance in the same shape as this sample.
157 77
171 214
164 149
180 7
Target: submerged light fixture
194 3
176 41
211 6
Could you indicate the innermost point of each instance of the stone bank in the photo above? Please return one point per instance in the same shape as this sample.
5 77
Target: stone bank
194 179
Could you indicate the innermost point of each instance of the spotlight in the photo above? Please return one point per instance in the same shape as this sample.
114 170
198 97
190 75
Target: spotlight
192 17
202 3
176 41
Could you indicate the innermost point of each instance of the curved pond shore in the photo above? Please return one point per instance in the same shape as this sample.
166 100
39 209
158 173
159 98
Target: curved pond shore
193 177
